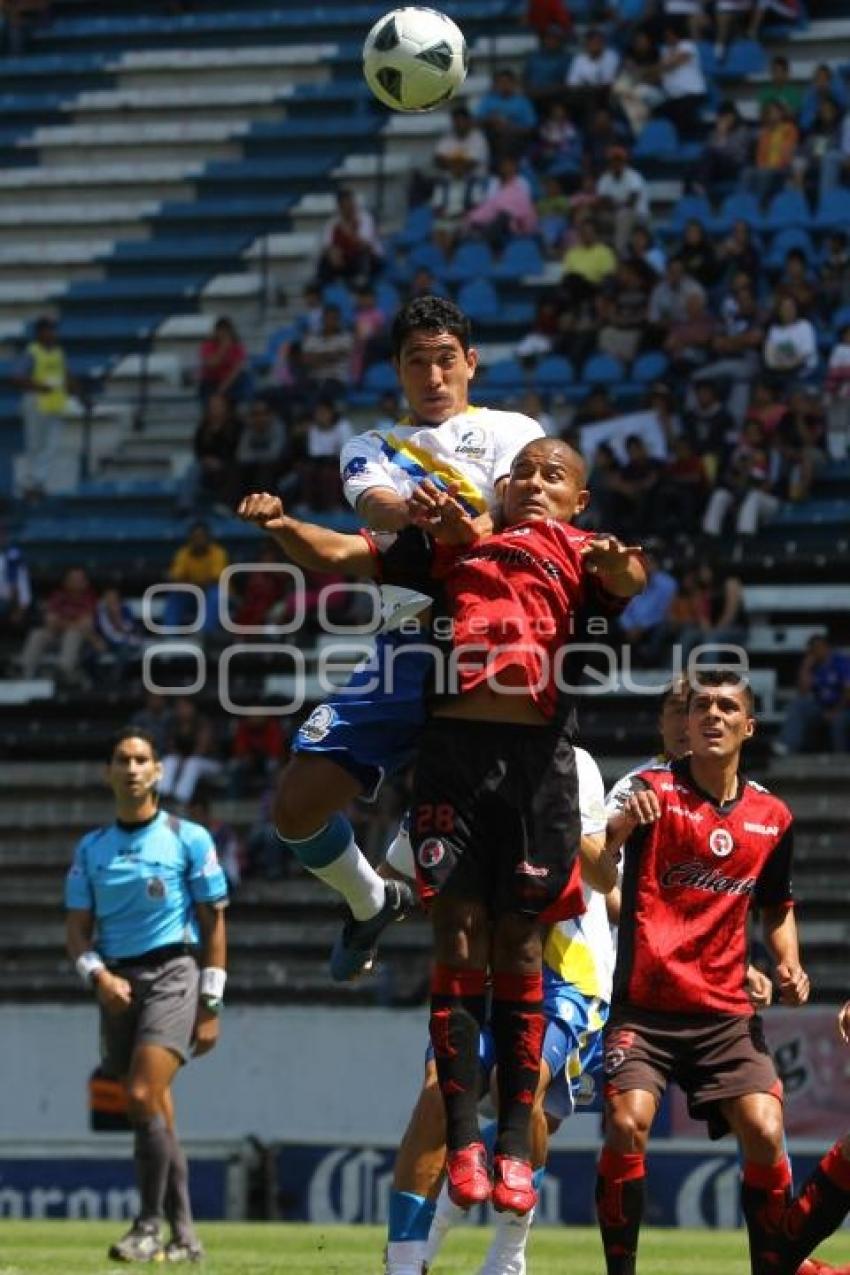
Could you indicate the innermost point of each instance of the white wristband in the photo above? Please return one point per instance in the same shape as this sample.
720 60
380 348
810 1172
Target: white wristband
88 965
213 980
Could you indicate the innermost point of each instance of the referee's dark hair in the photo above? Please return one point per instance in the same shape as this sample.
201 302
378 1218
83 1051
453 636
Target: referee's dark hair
723 677
433 315
132 732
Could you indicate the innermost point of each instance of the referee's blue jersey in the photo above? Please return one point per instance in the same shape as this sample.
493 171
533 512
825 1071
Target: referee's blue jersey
142 881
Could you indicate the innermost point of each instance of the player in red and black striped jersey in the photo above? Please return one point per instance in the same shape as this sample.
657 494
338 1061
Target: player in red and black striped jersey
702 845
494 817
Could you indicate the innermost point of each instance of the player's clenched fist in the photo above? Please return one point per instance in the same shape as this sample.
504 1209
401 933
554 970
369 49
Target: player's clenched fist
263 509
642 807
793 983
844 1023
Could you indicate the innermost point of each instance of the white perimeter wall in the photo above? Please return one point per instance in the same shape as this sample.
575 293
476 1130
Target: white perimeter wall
299 1074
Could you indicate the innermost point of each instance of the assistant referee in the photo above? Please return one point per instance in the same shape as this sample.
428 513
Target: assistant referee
145 898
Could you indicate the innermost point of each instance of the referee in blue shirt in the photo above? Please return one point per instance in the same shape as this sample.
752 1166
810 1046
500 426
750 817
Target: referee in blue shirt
145 898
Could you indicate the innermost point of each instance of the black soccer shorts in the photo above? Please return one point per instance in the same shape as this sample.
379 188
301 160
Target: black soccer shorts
495 817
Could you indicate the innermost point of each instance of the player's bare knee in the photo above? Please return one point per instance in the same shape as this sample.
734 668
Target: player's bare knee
460 932
144 1100
626 1128
517 945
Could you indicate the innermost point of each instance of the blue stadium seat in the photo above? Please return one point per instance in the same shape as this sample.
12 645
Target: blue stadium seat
521 257
337 294
472 260
651 366
505 373
479 299
380 377
743 58
428 256
417 226
784 241
788 208
689 208
602 369
554 372
841 318
387 297
834 210
739 206
658 140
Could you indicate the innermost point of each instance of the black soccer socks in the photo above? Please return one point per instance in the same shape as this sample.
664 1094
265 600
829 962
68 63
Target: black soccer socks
620 1194
517 1022
457 1017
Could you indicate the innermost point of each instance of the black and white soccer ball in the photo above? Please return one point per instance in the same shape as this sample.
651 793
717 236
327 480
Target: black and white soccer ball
414 59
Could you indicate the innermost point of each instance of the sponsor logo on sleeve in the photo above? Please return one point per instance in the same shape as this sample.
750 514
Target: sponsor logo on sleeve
319 724
357 465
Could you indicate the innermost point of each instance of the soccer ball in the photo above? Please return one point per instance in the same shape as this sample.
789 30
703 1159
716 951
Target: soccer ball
414 59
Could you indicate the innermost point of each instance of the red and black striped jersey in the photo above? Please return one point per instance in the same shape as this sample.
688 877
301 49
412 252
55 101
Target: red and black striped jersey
513 599
689 881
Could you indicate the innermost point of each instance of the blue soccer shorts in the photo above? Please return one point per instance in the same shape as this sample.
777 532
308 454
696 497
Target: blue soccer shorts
371 726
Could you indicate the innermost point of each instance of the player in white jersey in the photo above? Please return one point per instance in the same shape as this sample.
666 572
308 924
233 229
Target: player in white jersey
578 971
370 728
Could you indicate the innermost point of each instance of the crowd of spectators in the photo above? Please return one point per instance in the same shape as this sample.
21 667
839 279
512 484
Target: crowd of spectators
745 409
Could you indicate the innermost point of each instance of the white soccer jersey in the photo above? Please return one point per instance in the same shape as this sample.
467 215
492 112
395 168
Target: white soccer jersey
580 951
622 789
473 449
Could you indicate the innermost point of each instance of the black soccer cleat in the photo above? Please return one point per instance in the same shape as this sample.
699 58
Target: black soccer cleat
355 947
142 1243
185 1250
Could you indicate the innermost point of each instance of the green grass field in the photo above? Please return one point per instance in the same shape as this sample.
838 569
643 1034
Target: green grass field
79 1248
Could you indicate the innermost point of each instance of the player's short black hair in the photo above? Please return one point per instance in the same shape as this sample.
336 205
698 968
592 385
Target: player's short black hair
132 732
722 677
433 315
679 688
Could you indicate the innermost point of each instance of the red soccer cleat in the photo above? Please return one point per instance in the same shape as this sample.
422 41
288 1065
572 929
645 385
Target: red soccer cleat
468 1176
513 1191
813 1266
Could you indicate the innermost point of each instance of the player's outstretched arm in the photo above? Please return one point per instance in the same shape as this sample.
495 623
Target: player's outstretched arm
619 568
780 935
309 546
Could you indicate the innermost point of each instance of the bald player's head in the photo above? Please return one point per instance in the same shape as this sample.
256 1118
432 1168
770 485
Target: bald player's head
548 480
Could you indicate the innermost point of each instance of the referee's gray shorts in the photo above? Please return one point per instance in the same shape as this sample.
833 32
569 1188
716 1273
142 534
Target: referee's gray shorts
162 1012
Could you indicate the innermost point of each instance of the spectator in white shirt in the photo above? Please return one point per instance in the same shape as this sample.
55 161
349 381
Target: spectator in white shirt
459 169
682 82
624 194
592 73
790 347
321 438
464 150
